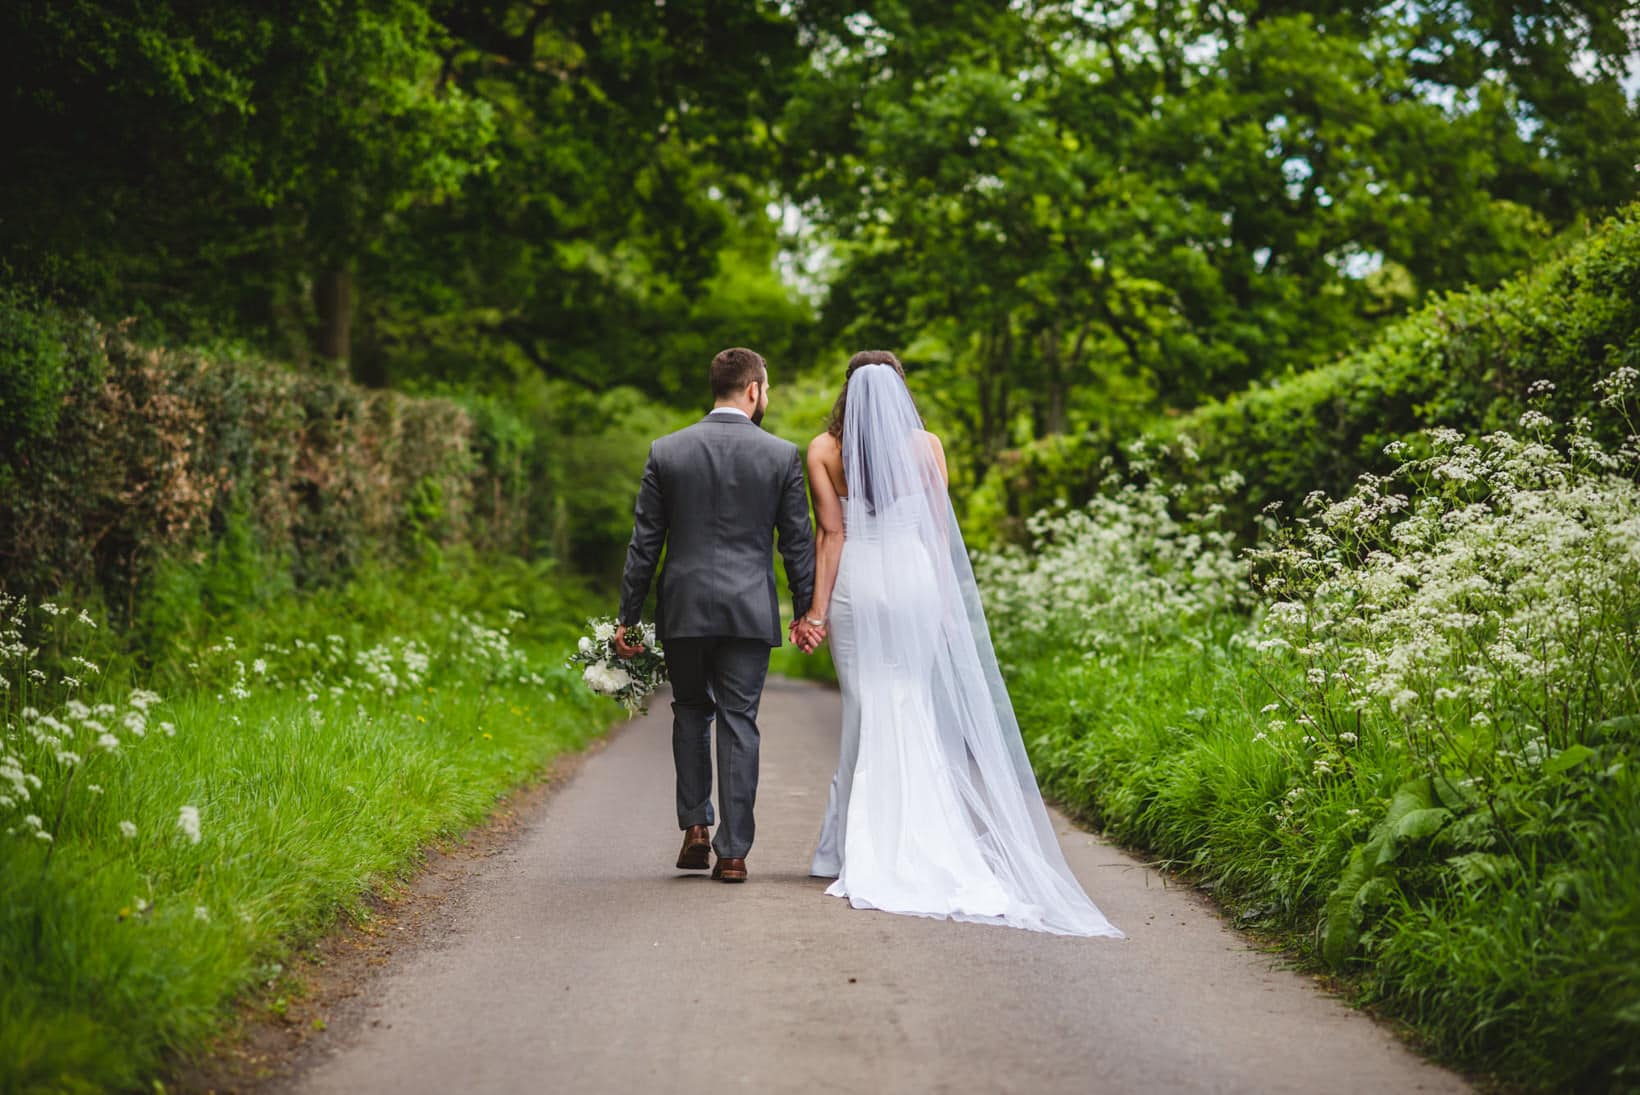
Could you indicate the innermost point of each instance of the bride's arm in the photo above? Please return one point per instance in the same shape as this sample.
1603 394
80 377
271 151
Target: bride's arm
939 456
828 522
940 507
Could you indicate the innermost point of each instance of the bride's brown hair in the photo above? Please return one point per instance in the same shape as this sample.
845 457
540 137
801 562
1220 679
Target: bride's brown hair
858 361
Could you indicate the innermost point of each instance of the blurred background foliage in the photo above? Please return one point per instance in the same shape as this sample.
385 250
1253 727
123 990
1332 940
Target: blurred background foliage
435 272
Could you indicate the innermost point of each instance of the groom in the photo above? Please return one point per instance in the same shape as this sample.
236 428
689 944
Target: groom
714 495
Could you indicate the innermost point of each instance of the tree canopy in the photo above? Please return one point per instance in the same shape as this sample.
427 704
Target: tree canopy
1072 206
1061 212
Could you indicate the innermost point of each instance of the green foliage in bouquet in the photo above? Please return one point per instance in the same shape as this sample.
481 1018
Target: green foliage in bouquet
628 681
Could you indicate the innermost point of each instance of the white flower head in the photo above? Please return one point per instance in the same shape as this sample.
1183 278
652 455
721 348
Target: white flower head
188 822
128 829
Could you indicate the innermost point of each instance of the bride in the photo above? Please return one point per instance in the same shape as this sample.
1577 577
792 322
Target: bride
934 810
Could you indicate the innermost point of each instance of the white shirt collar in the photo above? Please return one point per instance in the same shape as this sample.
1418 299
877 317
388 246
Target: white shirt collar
731 410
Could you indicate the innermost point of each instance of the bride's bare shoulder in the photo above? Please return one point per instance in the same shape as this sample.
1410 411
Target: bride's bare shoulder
825 446
938 449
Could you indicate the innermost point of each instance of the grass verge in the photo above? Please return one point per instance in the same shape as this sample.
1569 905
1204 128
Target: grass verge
314 745
1402 732
1526 968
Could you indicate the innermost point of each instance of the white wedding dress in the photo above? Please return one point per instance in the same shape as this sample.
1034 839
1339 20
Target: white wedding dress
934 810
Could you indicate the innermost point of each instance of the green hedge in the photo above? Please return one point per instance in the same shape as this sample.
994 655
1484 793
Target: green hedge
118 457
1465 360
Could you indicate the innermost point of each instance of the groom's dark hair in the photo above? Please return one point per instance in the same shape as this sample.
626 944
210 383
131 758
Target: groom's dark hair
734 368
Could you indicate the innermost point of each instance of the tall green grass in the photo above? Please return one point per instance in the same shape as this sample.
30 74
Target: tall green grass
1532 974
322 740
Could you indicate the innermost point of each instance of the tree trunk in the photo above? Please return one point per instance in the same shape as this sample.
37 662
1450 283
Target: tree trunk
991 384
1055 417
333 300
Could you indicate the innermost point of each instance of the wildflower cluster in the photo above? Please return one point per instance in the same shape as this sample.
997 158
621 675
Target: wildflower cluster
49 757
1485 611
631 681
334 668
52 740
1122 569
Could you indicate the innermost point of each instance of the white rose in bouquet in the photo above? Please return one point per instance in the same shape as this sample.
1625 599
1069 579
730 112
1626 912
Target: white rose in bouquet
629 681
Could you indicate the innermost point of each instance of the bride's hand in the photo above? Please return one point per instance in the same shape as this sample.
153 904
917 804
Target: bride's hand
807 636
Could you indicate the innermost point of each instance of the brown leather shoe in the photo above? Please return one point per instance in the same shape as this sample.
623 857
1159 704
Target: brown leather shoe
729 870
697 849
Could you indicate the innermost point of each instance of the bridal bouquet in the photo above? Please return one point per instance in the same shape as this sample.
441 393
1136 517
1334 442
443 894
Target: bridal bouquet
631 681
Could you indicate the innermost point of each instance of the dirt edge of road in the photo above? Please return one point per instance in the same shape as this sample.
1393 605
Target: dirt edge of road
290 1022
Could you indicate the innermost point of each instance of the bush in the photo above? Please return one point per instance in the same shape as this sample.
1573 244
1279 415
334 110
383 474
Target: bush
46 356
1466 360
122 457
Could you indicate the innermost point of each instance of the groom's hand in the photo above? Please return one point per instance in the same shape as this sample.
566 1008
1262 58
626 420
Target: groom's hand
807 636
622 647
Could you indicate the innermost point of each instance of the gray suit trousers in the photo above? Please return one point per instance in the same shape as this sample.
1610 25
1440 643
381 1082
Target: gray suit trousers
719 678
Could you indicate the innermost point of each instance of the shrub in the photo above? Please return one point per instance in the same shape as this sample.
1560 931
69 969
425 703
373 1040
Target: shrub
124 457
1466 360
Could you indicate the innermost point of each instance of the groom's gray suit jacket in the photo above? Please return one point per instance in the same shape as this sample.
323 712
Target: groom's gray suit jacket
714 494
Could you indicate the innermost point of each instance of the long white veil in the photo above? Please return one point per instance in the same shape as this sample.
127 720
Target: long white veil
898 496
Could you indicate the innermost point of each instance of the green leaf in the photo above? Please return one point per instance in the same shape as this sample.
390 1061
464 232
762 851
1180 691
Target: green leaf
1373 894
1478 867
1422 824
1452 796
1417 794
1567 759
1340 929
1626 726
1410 798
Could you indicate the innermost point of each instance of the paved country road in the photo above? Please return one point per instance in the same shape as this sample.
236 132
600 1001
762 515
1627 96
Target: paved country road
578 960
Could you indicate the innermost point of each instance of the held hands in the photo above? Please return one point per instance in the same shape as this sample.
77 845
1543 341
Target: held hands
807 634
622 647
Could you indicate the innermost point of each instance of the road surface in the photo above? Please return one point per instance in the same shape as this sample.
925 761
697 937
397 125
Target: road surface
577 960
